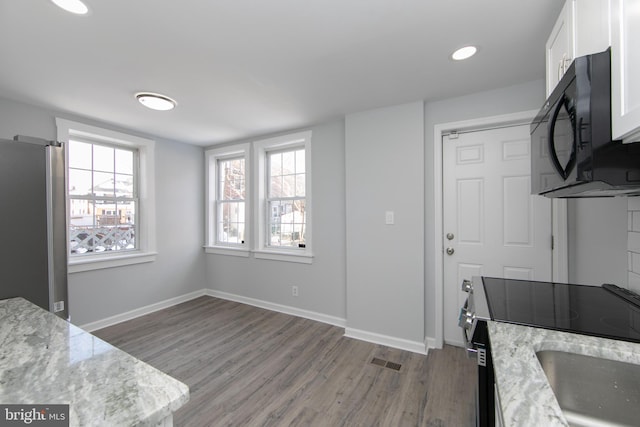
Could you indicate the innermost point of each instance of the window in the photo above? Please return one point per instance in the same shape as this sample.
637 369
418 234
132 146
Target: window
103 196
227 207
286 198
268 214
110 196
283 188
230 212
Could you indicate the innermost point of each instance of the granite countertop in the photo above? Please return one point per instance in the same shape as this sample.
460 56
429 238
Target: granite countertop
526 398
46 360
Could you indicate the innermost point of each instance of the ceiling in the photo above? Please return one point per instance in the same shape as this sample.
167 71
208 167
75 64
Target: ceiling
242 68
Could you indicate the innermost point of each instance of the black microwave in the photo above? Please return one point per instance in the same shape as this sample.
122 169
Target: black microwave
572 152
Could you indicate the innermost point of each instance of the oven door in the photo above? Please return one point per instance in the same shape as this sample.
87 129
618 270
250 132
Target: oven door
475 335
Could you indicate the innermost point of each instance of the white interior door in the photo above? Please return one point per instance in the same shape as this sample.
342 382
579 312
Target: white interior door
492 225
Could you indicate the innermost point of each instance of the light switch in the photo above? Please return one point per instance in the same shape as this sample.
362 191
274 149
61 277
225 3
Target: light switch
389 220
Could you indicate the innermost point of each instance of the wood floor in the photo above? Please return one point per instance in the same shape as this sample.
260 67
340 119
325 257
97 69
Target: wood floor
246 366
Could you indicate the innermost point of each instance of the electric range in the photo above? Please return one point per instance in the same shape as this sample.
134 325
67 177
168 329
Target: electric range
606 311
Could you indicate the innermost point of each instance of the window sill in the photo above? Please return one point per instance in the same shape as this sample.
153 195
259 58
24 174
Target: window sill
97 262
224 250
303 257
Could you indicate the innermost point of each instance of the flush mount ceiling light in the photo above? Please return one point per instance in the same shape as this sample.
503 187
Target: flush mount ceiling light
73 6
464 53
156 101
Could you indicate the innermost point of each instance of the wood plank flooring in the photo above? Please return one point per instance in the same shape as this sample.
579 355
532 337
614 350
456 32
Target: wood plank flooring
246 366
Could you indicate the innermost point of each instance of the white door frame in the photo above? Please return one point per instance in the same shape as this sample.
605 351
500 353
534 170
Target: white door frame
558 209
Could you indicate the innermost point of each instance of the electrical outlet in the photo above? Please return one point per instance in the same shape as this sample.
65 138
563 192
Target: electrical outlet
294 291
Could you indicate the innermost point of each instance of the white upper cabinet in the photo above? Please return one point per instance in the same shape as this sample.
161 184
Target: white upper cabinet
625 69
560 46
582 28
592 23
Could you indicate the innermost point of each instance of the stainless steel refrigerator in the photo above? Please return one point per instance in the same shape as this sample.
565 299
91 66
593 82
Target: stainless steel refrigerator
33 230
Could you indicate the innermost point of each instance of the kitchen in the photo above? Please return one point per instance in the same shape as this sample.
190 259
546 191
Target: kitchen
398 305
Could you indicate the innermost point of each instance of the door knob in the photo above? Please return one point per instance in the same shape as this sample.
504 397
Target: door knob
450 236
450 251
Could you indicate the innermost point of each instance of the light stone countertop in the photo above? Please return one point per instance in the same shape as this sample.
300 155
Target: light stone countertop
526 398
46 360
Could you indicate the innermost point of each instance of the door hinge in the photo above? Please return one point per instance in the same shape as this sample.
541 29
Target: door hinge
553 243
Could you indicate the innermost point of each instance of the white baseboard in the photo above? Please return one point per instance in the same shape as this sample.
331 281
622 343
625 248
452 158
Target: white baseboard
389 341
399 343
293 311
430 342
109 321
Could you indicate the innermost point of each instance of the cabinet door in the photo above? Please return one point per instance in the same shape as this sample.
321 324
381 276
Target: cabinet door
592 20
560 46
625 69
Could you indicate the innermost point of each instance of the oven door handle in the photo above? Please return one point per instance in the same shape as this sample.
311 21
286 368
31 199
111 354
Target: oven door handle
465 322
471 350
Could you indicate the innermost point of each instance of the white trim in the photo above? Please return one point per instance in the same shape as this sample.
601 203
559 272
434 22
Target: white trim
439 130
147 309
261 147
302 258
560 230
429 343
293 311
97 262
230 251
399 343
146 225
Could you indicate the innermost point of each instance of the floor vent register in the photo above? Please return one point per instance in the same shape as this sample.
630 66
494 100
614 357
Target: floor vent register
386 364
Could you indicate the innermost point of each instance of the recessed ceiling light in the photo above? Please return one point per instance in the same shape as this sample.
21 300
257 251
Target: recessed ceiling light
156 101
464 53
73 6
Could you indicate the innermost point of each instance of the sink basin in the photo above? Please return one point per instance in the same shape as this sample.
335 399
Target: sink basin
592 391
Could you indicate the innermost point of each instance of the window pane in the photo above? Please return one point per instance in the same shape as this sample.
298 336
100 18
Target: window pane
103 184
124 161
124 186
79 182
275 164
288 186
287 223
231 179
288 162
275 187
103 158
300 185
79 155
231 225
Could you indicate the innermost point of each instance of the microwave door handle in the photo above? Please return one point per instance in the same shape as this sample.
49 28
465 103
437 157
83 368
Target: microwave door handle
564 173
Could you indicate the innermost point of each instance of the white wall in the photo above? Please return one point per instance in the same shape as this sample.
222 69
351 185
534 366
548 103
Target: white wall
597 237
385 263
179 268
321 284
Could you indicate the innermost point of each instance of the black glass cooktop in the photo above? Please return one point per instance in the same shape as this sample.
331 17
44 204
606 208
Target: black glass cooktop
589 310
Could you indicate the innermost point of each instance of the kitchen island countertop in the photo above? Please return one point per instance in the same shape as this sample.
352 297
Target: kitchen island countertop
46 360
524 394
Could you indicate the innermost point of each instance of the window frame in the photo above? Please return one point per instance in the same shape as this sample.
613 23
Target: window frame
145 210
212 157
262 250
